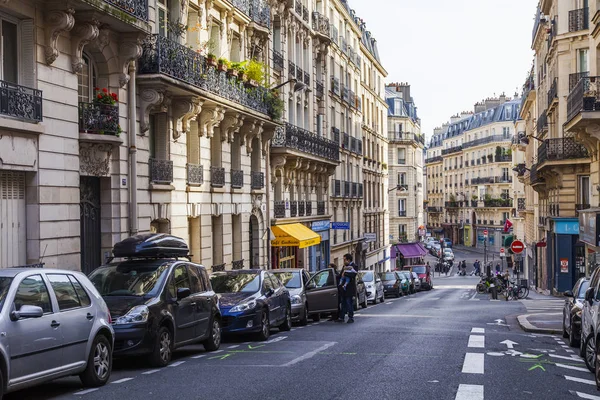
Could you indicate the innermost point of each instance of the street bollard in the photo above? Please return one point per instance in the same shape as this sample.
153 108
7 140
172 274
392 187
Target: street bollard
494 291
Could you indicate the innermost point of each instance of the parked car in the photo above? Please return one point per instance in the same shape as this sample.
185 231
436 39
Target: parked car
424 275
416 281
252 301
572 312
309 297
448 254
373 285
392 283
436 250
590 321
447 243
158 302
408 286
54 324
361 294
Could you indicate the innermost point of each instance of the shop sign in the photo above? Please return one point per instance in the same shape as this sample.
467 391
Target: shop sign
589 222
370 237
341 225
564 265
320 225
569 227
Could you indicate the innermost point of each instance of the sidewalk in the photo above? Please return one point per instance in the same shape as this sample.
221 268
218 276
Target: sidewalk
468 249
550 323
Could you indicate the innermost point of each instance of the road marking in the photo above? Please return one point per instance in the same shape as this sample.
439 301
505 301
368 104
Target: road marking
572 367
253 347
432 298
389 302
153 371
397 316
564 346
569 351
473 363
477 330
200 356
178 363
572 358
85 392
476 341
574 379
587 396
309 354
234 346
291 330
222 357
469 392
276 339
217 351
123 380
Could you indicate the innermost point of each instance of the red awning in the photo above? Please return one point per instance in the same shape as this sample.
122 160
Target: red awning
408 250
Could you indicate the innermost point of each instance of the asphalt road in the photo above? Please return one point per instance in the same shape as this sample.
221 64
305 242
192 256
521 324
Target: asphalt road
447 343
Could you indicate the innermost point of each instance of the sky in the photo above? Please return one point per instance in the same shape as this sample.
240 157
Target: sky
453 53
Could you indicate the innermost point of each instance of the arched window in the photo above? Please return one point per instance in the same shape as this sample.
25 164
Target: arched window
87 80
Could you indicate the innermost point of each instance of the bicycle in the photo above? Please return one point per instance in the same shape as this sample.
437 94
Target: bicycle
516 292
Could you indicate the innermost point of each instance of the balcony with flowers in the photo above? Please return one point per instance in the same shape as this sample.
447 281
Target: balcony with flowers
99 119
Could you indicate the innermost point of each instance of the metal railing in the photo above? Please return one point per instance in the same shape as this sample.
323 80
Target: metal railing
257 180
320 208
542 122
296 138
195 174
20 102
320 89
335 85
433 159
135 8
521 204
498 203
161 171
101 119
301 208
405 136
320 24
293 208
575 78
237 178
585 96
238 264
346 189
292 68
218 268
277 61
258 10
561 149
308 207
451 150
579 20
217 176
553 91
485 140
279 209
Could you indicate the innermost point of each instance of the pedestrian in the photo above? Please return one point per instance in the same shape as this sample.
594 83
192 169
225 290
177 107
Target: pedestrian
497 268
348 294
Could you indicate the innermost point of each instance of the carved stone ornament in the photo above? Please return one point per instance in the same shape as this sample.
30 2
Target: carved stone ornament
94 158
149 98
184 110
57 22
82 34
130 50
210 117
257 204
251 131
103 38
232 122
277 165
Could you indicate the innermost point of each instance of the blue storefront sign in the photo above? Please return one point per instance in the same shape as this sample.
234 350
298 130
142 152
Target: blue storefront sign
568 226
319 226
340 225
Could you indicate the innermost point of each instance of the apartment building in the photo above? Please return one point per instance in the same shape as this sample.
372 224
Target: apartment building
434 195
405 155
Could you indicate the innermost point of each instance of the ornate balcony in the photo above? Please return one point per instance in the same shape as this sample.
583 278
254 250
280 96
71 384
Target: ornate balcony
320 24
305 14
101 119
237 179
293 209
451 150
238 264
218 268
161 171
292 69
431 160
561 149
258 11
258 180
575 78
301 208
307 78
584 98
579 20
217 177
320 208
135 8
498 203
195 174
295 138
279 209
399 136
20 102
277 61
164 56
521 204
542 122
308 205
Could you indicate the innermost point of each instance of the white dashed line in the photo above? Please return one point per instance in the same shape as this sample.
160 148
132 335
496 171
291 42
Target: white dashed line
200 356
235 346
123 380
478 330
572 358
85 392
586 381
292 330
178 363
389 302
217 351
152 371
587 396
572 367
473 363
476 341
569 351
469 392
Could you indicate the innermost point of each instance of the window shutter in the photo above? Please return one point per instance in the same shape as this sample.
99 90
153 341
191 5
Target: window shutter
27 62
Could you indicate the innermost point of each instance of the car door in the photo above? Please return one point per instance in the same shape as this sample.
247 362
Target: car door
35 343
202 299
268 291
76 316
279 296
378 286
322 292
184 310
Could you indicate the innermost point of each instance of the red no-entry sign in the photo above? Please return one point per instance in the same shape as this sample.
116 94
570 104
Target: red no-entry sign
517 247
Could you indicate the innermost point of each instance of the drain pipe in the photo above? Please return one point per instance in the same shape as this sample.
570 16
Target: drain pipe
133 206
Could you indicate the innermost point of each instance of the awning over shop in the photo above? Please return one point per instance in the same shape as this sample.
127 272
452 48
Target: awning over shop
294 235
408 250
438 230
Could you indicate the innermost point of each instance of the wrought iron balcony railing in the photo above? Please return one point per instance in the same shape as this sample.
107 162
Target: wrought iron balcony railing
301 209
451 150
504 158
217 176
277 61
218 268
279 209
542 122
258 180
335 85
195 174
320 23
237 179
101 119
579 20
485 140
305 14
164 56
20 102
320 208
292 68
258 10
405 136
498 203
521 204
584 97
433 159
308 206
575 78
561 149
293 208
238 264
302 140
135 8
161 171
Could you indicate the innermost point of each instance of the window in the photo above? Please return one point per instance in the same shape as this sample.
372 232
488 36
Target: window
198 283
10 52
181 280
267 284
163 17
402 208
584 191
506 132
84 299
86 80
32 291
582 60
402 178
274 281
65 292
401 156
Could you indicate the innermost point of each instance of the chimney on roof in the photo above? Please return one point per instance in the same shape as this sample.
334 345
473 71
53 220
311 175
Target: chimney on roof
454 118
479 107
465 114
493 102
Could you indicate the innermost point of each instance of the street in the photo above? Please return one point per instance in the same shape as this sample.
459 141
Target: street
447 343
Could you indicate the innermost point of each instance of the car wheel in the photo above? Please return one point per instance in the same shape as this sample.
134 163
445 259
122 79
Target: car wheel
573 341
265 326
565 333
214 339
304 320
286 325
99 365
597 368
163 348
590 353
316 317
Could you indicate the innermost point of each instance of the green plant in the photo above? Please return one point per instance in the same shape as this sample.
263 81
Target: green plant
225 62
105 97
487 197
211 55
256 71
452 198
275 105
498 151
509 152
475 197
177 28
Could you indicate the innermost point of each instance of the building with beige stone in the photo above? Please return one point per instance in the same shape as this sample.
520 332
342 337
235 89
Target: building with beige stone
434 194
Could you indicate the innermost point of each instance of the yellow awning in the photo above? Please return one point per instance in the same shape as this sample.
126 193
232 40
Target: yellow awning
294 235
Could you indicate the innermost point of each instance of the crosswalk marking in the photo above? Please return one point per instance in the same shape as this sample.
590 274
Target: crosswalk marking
572 358
469 392
473 363
586 381
587 396
476 341
572 367
477 330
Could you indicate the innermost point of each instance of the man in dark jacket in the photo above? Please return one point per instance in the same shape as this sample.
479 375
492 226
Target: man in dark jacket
350 291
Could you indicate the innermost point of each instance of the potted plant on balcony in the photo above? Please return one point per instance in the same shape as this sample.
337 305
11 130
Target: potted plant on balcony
275 105
106 116
255 73
223 64
211 60
490 157
234 69
177 28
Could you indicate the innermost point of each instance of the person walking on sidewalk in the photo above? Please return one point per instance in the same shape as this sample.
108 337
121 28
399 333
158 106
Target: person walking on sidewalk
348 294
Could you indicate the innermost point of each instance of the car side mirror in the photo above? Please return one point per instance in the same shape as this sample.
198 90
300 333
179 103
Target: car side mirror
182 293
568 293
27 312
270 292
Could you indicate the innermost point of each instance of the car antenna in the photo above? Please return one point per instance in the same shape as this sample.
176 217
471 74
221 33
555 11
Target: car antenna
41 263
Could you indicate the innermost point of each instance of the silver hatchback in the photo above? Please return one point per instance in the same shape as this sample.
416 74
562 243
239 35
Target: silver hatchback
53 323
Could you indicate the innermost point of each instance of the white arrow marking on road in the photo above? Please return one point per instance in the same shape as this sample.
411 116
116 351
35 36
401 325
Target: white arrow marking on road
513 353
499 321
509 343
433 381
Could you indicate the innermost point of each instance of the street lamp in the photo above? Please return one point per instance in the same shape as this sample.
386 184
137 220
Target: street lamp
298 86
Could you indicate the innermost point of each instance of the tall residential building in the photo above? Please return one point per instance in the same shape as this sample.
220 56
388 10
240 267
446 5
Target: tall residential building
434 194
405 157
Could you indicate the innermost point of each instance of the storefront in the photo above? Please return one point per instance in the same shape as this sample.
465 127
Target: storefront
318 255
405 254
589 236
563 253
468 235
289 244
495 239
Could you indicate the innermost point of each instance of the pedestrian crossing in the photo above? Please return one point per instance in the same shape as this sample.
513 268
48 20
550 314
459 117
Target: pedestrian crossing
543 306
580 382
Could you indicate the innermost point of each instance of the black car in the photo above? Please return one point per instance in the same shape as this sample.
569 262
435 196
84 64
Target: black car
392 283
252 301
157 301
572 311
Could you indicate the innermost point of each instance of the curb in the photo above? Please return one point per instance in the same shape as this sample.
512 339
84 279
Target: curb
528 327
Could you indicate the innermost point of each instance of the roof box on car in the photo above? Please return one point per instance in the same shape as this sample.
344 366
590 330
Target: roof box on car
155 245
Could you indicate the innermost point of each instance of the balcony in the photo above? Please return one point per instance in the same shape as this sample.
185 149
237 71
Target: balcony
561 149
452 204
164 56
521 204
345 94
305 14
237 264
542 122
277 61
195 174
402 213
499 203
301 208
135 8
100 119
579 20
580 207
433 159
534 177
486 140
405 137
293 209
320 208
335 86
575 78
320 24
237 179
308 206
258 11
218 268
451 150
584 98
292 69
161 171
553 92
503 158
217 177
346 143
336 135
435 210
279 209
354 189
20 102
294 138
257 180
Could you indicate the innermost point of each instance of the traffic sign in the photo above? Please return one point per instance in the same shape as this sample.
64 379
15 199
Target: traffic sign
517 247
485 233
502 252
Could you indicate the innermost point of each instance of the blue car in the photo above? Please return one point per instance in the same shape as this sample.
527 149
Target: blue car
252 301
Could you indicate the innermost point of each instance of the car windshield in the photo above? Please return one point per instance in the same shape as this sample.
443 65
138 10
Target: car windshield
128 280
403 275
235 283
366 276
5 282
290 280
420 270
388 276
582 289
